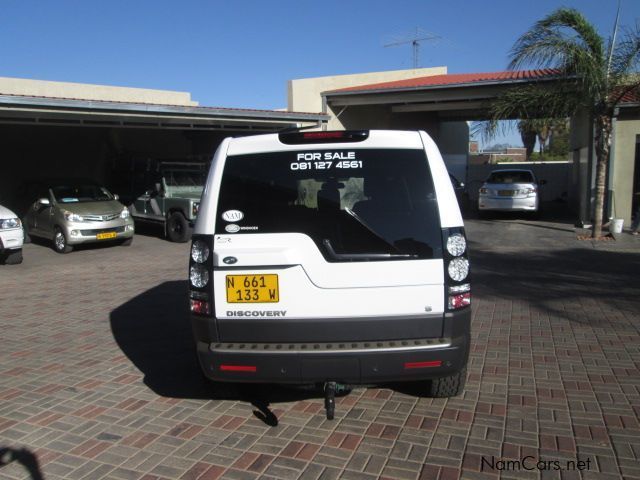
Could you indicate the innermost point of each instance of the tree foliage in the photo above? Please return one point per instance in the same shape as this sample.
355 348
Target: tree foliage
590 75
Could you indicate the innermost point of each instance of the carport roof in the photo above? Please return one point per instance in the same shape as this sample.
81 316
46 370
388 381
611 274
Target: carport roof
69 111
454 79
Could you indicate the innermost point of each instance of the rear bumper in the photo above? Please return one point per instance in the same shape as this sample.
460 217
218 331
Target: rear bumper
346 362
527 204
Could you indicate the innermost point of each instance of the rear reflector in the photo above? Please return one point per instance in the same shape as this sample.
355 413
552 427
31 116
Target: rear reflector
238 368
433 363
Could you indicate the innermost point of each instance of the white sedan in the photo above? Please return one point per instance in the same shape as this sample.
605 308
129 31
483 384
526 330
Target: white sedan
509 190
11 237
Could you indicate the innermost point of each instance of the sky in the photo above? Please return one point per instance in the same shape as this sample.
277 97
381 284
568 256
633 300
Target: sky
240 54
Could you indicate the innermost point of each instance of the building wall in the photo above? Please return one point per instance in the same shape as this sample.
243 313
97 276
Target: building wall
304 95
42 88
627 130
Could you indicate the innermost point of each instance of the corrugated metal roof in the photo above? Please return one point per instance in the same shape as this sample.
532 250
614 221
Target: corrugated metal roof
146 105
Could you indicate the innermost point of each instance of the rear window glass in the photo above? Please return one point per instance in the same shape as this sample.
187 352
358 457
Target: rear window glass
352 203
511 177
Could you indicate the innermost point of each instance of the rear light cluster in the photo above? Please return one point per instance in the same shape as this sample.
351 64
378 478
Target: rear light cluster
458 288
200 271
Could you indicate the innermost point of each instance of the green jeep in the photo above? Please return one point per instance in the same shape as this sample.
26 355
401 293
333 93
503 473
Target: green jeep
173 198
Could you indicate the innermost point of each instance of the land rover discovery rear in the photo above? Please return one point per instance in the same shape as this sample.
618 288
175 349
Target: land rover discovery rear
331 257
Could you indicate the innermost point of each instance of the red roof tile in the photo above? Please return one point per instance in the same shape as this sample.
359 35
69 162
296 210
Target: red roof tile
454 79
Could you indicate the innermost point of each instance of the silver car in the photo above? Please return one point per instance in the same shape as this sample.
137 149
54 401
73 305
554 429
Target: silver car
73 213
509 190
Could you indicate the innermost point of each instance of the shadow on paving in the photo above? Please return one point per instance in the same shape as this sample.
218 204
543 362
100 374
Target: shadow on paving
543 277
153 330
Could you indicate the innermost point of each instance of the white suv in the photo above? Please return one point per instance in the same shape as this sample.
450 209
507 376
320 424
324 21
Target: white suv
11 237
323 257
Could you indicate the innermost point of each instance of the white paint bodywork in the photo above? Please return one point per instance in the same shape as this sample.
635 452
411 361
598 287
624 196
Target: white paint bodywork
312 287
309 285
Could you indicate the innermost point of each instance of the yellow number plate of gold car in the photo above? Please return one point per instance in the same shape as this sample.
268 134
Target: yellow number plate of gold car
105 235
252 288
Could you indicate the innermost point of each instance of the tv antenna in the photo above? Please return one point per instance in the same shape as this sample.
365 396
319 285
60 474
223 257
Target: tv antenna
414 39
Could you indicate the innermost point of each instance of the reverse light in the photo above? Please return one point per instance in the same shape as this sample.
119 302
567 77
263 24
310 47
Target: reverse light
194 209
456 289
199 251
458 269
199 276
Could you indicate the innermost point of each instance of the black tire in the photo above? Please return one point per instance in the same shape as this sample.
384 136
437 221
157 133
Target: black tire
448 386
13 257
60 244
127 242
178 229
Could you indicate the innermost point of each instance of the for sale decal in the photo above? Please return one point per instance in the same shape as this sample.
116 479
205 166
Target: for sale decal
325 161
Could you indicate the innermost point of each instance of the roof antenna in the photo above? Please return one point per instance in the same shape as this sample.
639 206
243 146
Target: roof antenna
415 39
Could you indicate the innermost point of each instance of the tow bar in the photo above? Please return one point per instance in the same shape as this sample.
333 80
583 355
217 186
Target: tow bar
330 390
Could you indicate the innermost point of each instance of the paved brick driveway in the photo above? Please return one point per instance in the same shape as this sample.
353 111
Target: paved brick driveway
98 378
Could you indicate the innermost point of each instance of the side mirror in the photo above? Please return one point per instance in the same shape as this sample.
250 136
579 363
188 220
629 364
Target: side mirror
116 196
44 201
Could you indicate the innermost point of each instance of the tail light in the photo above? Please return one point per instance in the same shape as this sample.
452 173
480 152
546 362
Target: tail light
455 256
201 275
483 191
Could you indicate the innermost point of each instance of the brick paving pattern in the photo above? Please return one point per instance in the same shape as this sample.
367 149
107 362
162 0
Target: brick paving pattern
98 377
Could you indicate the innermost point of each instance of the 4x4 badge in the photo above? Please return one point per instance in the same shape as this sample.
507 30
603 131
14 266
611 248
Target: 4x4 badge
229 260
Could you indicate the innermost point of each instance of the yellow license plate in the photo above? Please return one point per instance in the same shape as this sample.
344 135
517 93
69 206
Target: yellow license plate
105 235
505 193
252 289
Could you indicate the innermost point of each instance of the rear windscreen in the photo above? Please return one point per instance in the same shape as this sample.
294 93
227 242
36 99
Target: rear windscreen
350 202
511 177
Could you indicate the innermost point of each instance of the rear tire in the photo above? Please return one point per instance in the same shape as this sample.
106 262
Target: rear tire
13 257
448 386
178 229
60 244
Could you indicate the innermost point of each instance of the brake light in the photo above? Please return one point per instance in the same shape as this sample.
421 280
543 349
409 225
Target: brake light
459 301
201 307
483 191
342 136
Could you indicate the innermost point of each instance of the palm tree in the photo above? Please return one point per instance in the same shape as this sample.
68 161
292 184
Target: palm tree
592 78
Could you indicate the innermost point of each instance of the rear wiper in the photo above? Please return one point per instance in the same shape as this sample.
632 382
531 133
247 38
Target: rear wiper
361 256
